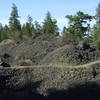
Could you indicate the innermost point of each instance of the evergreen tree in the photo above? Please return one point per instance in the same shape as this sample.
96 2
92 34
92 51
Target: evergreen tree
14 23
78 27
1 32
96 28
96 36
64 31
38 28
6 32
28 27
50 25
98 16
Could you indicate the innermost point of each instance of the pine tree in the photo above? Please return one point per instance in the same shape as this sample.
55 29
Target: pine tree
50 25
76 30
96 36
38 28
28 27
6 32
98 16
96 28
14 22
1 32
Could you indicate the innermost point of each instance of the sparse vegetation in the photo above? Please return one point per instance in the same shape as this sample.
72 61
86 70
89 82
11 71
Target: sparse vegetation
78 29
42 60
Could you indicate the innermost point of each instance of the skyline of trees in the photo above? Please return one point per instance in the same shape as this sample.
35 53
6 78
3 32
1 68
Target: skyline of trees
78 28
19 16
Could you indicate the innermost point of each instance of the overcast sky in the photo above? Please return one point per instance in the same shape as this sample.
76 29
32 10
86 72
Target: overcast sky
38 8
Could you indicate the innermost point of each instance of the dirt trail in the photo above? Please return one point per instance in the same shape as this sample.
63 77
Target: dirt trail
60 66
88 64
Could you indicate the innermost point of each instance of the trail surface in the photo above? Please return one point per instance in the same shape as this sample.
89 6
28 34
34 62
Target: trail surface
60 65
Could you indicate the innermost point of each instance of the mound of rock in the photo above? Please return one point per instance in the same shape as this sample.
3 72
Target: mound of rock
72 55
44 49
29 51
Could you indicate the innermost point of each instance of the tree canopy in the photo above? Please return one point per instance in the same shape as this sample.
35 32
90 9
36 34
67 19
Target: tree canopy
50 25
78 26
14 22
78 29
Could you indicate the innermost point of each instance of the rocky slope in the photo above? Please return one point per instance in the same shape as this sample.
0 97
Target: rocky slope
71 55
42 66
43 78
30 51
47 50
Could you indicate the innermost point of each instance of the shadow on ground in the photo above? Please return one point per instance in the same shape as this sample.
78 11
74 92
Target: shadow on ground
86 91
28 92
